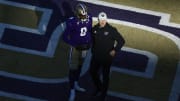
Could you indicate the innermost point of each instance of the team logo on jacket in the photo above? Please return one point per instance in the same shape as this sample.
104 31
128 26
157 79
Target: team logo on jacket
95 32
106 33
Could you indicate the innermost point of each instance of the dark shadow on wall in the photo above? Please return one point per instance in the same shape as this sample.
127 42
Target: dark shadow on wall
61 10
67 7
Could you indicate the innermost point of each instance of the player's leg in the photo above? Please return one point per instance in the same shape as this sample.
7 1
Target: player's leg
82 55
76 59
73 66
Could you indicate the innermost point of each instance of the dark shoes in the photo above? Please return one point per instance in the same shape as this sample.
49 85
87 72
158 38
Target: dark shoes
97 93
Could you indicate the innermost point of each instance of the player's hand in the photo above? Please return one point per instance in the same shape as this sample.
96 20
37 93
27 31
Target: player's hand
112 53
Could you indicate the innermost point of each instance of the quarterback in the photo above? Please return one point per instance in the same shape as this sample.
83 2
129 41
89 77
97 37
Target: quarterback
78 36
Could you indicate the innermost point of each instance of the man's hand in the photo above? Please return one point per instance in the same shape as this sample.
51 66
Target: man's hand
112 53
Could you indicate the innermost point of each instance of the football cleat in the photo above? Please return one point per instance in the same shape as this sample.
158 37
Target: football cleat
78 88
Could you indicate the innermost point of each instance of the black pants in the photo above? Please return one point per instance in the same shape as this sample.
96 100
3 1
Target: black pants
101 84
76 59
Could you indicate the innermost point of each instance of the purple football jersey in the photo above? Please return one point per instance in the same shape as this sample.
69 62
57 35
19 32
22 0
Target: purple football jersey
78 32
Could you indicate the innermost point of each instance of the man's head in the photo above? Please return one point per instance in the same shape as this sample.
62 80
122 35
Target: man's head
81 11
102 18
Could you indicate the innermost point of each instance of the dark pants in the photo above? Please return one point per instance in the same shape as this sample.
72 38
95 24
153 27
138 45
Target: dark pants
76 59
98 69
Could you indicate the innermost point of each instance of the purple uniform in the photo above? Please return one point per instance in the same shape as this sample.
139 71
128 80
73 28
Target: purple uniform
78 36
78 32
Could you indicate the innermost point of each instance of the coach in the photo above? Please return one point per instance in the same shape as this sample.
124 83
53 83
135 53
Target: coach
107 41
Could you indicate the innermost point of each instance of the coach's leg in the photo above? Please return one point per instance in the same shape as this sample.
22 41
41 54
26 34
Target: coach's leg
94 72
105 82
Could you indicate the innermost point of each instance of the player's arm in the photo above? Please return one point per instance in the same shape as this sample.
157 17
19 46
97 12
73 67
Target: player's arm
67 32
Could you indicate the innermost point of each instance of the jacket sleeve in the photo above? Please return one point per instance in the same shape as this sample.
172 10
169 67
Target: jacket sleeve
120 40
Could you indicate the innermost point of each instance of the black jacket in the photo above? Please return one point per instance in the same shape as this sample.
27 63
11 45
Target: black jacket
103 42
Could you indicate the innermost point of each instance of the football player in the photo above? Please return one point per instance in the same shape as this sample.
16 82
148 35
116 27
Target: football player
78 35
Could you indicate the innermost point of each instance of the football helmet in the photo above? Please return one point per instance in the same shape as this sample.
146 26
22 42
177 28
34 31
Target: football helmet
81 11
